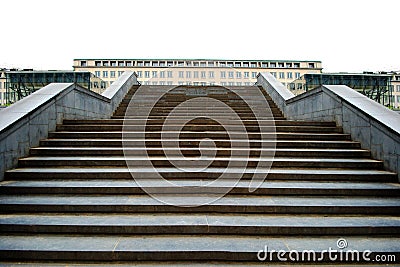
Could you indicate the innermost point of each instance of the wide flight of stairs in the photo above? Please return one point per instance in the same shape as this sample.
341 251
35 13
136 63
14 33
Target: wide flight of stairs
74 200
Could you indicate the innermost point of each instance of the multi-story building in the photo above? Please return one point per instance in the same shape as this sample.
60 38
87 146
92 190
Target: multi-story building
396 89
196 71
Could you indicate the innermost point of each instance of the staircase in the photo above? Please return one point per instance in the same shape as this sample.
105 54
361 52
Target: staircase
74 200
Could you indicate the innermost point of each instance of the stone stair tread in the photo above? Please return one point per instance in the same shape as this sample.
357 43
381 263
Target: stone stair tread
210 244
168 219
268 184
228 200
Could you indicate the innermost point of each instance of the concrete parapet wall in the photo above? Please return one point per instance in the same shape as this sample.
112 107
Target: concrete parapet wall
25 123
373 125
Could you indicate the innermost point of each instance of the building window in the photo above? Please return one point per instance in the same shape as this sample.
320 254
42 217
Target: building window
231 83
188 74
281 65
297 75
203 74
112 74
223 74
202 64
97 73
253 64
246 64
146 83
238 84
223 83
246 74
154 74
273 74
289 75
162 74
264 65
211 64
162 83
147 74
154 83
247 84
397 88
195 74
254 75
120 73
169 83
311 65
272 65
128 63
139 74
281 75
83 63
211 74
121 64
230 74
97 63
113 64
102 84
296 65
238 64
105 74
230 64
238 75
398 98
169 74
288 65
105 64
181 74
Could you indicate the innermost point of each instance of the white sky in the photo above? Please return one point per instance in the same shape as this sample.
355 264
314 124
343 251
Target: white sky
346 35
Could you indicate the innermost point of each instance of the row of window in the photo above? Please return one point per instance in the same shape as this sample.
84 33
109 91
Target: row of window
197 74
236 64
197 83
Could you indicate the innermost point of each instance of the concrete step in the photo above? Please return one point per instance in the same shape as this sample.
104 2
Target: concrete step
199 121
184 116
228 204
80 142
195 135
210 224
197 162
187 248
71 172
219 152
268 187
111 127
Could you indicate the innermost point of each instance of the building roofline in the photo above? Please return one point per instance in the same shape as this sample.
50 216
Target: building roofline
198 59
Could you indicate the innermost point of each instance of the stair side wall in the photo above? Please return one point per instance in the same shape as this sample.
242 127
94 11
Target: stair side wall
376 127
25 123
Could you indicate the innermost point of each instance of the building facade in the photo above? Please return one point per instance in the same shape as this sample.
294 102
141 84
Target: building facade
196 71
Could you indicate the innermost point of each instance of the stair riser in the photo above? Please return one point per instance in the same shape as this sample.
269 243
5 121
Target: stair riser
198 121
195 144
258 209
187 135
210 257
216 163
306 129
196 153
198 175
